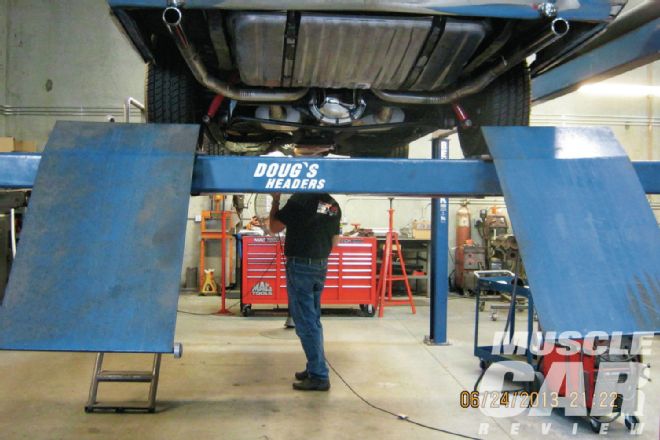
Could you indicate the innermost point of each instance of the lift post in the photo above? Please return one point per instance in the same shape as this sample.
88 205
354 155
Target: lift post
439 262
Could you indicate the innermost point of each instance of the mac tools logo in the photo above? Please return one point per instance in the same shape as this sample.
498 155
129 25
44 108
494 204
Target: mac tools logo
299 175
262 289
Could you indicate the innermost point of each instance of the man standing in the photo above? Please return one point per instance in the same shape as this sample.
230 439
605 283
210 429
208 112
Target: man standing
312 222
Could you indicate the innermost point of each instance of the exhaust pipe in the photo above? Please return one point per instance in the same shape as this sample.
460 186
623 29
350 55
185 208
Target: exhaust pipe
173 17
558 28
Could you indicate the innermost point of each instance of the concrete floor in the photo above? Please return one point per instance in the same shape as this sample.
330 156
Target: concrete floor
234 381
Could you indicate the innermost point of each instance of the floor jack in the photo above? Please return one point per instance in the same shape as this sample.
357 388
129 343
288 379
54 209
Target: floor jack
592 366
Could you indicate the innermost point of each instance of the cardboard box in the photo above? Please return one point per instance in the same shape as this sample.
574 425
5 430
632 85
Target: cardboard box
421 230
7 144
422 234
10 144
25 146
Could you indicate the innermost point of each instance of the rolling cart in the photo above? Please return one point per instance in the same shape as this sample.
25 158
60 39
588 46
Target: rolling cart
506 283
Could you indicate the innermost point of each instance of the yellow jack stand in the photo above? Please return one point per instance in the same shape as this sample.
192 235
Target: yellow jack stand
209 287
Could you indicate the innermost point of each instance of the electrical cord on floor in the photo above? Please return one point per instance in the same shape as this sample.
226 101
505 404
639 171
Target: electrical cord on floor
481 376
398 416
186 312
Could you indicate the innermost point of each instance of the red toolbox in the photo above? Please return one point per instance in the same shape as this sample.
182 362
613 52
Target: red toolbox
351 278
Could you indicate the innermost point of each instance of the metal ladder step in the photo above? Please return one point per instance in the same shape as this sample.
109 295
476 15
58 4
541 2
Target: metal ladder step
125 376
128 376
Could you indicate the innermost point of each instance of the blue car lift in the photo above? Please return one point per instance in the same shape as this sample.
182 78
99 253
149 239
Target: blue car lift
106 280
76 284
448 178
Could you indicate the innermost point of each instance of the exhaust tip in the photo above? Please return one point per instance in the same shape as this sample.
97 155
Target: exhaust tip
172 16
560 27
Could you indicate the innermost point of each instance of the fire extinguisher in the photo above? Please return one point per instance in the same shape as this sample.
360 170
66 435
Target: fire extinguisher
463 234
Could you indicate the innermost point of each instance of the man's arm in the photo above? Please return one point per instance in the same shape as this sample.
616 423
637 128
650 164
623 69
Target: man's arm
274 224
335 239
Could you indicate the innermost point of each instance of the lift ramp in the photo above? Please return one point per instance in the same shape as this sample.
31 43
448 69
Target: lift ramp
589 240
99 259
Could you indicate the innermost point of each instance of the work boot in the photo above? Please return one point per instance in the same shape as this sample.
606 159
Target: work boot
312 384
302 375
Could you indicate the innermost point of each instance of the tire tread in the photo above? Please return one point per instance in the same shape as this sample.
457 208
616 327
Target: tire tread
170 94
506 101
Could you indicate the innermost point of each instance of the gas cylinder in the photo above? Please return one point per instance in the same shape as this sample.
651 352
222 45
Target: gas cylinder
463 233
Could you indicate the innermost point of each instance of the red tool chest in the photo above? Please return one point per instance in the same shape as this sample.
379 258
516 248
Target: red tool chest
351 278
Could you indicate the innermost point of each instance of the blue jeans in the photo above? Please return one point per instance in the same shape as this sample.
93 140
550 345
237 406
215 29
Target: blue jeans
304 283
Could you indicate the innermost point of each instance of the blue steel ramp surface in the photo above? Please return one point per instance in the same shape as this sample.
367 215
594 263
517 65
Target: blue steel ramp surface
589 240
98 264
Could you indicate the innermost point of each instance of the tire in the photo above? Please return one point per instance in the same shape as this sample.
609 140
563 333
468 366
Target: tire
367 310
506 101
171 94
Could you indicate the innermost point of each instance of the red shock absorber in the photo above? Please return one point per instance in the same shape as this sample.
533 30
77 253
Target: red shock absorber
462 116
215 106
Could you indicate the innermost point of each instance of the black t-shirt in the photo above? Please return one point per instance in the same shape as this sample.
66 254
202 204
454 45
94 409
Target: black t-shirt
311 220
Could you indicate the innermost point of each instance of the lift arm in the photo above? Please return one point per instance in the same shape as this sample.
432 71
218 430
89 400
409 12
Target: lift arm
402 177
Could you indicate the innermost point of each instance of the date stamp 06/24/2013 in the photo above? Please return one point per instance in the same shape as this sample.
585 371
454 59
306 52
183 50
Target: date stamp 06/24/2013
524 399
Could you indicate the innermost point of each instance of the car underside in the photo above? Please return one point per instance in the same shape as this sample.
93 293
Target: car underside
354 82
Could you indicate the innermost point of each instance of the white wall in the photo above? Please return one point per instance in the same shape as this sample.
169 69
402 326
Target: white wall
3 61
191 251
634 121
65 59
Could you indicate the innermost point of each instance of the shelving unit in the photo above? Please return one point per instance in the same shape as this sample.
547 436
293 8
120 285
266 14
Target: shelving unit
416 254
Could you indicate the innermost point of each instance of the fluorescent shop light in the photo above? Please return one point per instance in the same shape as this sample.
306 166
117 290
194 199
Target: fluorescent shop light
620 90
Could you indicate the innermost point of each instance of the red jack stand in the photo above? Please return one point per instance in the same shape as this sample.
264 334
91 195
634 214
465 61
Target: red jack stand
385 280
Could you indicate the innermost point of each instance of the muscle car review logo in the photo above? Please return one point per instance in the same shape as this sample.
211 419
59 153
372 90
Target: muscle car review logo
299 175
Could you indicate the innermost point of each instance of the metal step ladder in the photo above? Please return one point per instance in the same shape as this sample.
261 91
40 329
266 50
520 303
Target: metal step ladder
127 376
101 375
